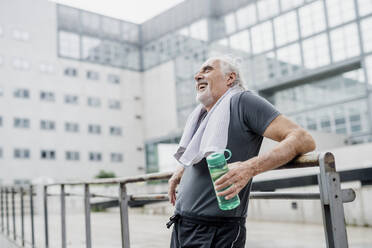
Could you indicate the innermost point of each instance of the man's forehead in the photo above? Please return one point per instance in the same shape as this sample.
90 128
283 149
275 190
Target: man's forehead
210 62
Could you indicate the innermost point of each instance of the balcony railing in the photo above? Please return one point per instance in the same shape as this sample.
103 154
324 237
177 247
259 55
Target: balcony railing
330 195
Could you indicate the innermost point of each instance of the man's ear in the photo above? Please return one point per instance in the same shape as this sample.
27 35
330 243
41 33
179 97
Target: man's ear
231 78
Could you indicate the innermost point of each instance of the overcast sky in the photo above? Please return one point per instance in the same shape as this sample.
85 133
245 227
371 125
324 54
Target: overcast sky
136 11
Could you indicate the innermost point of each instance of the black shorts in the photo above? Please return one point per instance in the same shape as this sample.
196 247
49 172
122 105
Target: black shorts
208 233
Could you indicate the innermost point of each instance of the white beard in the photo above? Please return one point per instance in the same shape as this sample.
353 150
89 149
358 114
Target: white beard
205 97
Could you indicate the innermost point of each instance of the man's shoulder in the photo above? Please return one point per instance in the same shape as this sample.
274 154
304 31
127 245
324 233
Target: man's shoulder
245 95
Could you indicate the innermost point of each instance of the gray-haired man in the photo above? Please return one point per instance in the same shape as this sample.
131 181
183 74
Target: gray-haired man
231 118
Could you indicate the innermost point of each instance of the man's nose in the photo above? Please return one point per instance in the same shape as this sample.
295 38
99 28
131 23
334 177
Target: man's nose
198 77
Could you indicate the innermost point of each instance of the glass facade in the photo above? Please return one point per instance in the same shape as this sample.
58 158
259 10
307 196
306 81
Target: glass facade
94 38
279 42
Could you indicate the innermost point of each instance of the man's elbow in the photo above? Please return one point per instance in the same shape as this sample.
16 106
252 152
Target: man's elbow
307 141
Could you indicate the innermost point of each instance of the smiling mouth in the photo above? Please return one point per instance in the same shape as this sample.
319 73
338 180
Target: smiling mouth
202 86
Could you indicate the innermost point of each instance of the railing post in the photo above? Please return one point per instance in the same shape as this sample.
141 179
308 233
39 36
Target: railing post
124 218
2 208
63 216
88 237
32 216
7 212
13 215
22 216
331 203
45 197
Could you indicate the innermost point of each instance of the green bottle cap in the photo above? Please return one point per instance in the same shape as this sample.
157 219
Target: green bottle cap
218 158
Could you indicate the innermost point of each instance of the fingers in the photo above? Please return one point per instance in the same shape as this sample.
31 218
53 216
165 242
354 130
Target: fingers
225 178
230 192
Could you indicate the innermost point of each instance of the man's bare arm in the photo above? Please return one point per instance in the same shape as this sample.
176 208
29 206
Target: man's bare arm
173 182
293 140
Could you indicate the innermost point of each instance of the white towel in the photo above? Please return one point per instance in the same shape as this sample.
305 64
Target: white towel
211 135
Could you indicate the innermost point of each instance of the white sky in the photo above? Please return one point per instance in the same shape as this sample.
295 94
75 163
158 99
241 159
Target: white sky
136 11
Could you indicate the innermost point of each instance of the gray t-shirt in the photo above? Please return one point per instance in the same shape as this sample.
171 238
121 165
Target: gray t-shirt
250 115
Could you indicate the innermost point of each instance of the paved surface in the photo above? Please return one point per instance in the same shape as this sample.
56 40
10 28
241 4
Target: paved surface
149 231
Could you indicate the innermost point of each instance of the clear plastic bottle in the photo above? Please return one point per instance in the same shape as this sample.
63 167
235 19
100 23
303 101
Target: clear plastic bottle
217 168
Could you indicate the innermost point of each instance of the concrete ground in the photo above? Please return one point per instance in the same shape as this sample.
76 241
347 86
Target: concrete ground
149 231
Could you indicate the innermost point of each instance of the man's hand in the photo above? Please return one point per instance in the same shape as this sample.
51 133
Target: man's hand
173 182
238 176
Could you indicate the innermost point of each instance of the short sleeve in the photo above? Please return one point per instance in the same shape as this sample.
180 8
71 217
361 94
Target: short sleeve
257 112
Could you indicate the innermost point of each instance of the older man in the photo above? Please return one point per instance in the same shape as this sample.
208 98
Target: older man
228 117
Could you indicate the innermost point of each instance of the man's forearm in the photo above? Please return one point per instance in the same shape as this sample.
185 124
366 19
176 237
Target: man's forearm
296 143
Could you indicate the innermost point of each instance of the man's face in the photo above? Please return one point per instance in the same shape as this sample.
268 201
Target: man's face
210 83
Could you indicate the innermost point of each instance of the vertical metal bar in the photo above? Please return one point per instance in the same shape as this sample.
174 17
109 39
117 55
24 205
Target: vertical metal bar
337 210
7 211
32 216
45 197
22 217
326 214
331 203
13 215
63 216
88 236
124 219
2 208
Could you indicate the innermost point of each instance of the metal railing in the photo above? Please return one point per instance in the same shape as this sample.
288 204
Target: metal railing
330 194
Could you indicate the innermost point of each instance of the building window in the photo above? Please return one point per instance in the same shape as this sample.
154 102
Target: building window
21 64
48 154
365 7
340 11
71 99
69 45
92 75
112 78
241 41
21 93
47 125
94 102
267 8
246 16
316 53
230 23
21 153
262 37
20 35
71 127
95 156
70 72
366 26
286 28
114 104
91 49
116 157
94 129
21 123
312 18
116 131
72 155
345 42
47 96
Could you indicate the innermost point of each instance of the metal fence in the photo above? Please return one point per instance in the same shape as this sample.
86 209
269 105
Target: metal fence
330 194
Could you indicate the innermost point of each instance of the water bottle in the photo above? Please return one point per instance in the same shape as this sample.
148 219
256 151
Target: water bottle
217 166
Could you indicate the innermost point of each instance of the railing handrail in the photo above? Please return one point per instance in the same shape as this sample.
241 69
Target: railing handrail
303 161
